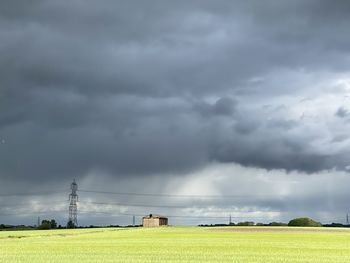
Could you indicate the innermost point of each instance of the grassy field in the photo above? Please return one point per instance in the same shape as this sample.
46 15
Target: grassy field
177 244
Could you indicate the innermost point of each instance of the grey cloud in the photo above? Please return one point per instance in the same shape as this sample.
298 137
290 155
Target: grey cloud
342 112
224 106
221 107
99 52
135 88
272 153
246 125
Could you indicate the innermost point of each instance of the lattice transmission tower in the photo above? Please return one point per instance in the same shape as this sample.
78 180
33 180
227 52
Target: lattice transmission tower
73 208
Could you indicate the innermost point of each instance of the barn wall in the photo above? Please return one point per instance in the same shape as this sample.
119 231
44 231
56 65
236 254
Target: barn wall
151 222
163 221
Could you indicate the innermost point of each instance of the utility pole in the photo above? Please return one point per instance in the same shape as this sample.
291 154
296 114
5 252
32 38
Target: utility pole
73 208
133 220
347 219
38 225
230 221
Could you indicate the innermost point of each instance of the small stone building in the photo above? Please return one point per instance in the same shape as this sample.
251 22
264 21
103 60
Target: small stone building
154 221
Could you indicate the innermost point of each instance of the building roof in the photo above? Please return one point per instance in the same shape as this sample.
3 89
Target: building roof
154 216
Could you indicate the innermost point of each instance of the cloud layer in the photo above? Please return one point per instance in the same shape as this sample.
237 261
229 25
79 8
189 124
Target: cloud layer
134 90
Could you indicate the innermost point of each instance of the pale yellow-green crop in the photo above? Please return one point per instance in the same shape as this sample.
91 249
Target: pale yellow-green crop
177 244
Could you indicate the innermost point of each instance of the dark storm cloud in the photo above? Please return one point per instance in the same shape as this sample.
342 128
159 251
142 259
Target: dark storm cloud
342 112
129 87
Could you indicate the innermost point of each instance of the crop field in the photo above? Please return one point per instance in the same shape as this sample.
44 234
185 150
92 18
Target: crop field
177 244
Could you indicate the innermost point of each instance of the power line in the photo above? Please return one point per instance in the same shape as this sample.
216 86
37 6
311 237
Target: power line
175 195
32 213
171 216
47 203
138 205
126 214
32 204
104 203
161 206
118 214
32 193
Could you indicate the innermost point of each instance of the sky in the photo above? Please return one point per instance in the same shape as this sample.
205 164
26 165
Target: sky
220 108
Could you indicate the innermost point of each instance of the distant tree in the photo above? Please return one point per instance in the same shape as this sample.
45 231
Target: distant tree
304 221
48 224
2 226
246 223
70 224
335 225
53 224
277 224
45 224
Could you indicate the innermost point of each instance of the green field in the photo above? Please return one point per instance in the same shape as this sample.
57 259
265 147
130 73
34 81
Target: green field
177 244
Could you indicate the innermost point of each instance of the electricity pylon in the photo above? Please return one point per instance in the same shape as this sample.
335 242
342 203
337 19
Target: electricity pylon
73 208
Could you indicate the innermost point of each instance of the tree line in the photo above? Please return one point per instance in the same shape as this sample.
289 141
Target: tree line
299 222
